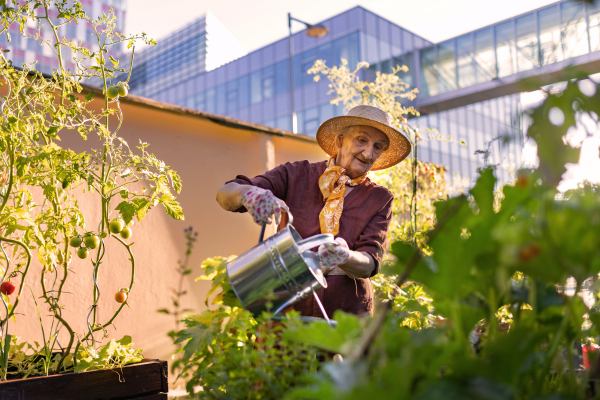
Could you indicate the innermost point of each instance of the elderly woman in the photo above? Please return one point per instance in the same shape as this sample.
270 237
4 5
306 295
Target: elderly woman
333 196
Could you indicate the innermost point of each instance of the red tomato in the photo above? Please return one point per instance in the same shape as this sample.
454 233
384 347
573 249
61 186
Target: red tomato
529 253
7 288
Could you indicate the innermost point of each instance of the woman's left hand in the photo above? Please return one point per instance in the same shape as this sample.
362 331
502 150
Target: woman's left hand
334 254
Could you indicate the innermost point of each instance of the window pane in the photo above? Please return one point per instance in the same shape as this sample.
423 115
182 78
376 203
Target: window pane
221 99
466 71
327 112
575 40
297 70
284 123
371 51
353 50
594 19
408 61
231 96
527 54
300 122
429 79
485 59
308 60
282 76
408 41
244 91
210 101
311 121
268 82
505 49
200 102
550 49
324 53
447 66
340 50
255 88
385 52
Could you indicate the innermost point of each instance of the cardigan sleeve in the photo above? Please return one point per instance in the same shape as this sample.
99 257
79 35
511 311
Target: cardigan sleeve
275 180
373 239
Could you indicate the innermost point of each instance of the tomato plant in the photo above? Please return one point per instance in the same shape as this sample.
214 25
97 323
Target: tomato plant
35 112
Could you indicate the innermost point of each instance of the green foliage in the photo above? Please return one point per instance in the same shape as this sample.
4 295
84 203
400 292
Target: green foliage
114 354
231 355
35 112
487 267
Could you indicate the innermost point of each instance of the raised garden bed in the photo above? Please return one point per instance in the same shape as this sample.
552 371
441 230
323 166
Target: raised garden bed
147 380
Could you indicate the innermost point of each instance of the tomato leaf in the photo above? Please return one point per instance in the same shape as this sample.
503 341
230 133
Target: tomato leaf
141 207
176 180
127 211
172 207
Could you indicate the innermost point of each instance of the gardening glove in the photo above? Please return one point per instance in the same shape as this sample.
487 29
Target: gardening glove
333 254
263 206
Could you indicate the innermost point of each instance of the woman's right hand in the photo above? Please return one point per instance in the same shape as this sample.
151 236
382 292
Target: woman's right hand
262 205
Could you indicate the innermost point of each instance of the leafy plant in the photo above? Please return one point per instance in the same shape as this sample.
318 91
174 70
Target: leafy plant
115 353
487 267
35 112
232 355
176 311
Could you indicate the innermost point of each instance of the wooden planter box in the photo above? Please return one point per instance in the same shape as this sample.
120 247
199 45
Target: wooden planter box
146 380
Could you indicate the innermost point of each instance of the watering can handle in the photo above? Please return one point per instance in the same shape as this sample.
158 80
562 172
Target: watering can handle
290 221
315 241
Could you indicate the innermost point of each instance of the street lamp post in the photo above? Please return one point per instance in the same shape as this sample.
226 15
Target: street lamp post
312 31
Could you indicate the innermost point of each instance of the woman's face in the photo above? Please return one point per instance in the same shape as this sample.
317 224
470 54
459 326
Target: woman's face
359 148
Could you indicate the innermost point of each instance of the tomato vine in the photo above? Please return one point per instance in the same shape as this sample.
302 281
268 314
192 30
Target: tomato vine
35 111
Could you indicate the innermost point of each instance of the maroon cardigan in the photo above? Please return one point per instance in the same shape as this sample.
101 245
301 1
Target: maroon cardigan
364 223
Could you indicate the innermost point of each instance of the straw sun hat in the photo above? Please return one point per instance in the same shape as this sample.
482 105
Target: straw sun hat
371 116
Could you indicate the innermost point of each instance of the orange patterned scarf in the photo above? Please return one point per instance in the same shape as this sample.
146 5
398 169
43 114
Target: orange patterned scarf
333 187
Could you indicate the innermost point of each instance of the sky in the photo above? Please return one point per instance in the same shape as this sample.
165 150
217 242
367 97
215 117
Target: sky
260 22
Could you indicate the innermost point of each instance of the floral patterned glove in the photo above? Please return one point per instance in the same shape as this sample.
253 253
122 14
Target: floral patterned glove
332 255
263 205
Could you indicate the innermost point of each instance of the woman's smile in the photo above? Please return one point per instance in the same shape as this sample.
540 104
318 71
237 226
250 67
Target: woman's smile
360 161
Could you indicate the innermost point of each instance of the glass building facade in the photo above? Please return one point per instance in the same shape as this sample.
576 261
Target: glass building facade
256 87
558 32
24 50
200 46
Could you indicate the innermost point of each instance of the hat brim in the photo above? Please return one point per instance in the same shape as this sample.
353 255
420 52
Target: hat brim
398 150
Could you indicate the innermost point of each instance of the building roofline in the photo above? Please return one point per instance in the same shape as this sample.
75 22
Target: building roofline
391 22
502 21
219 119
320 22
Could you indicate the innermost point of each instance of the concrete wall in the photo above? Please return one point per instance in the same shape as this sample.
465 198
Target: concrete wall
206 154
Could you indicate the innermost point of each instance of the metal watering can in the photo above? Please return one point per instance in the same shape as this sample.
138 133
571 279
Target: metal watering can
281 270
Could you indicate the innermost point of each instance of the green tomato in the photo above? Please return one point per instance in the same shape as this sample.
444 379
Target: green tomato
126 233
82 252
122 91
91 241
103 235
116 226
75 241
112 92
